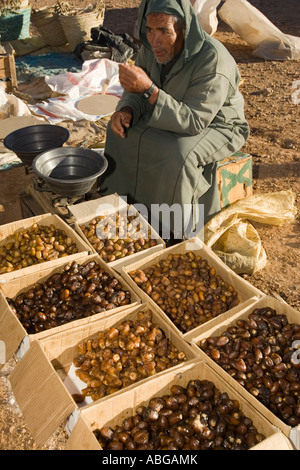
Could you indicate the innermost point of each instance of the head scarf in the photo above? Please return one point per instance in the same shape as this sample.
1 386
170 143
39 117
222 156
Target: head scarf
169 7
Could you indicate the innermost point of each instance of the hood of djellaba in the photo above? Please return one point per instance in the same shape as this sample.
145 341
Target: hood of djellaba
194 34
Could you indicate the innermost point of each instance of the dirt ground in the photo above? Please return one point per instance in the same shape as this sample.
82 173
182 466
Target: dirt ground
274 145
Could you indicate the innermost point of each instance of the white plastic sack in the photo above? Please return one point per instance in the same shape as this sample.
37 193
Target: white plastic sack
206 12
61 109
75 86
261 34
89 81
11 106
230 235
240 248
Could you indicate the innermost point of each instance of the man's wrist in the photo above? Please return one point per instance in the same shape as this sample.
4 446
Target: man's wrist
127 109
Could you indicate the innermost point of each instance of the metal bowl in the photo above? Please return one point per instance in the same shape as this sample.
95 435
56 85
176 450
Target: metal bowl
30 141
70 171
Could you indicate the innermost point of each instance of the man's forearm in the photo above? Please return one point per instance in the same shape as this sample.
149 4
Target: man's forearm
153 98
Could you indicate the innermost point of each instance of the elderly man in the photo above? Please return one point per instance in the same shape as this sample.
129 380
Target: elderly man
181 112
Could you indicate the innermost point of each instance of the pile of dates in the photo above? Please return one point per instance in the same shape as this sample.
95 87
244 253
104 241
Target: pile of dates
79 291
198 417
34 245
187 289
260 353
122 355
114 237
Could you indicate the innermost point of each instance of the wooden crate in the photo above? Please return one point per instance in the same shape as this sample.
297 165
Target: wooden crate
8 73
234 175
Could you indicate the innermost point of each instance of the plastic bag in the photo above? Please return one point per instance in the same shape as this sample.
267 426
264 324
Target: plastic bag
264 37
240 249
10 106
74 86
206 12
230 235
89 81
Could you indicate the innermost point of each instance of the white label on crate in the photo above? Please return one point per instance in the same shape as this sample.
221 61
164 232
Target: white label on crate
23 348
74 385
295 437
72 421
2 352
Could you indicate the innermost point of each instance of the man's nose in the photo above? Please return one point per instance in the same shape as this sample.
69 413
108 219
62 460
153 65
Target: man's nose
156 40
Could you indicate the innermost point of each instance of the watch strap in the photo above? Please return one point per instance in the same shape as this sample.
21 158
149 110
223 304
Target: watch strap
148 92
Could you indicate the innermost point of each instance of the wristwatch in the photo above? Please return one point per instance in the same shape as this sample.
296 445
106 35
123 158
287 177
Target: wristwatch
148 92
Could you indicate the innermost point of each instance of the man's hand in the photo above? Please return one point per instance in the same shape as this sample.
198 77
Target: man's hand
120 121
133 78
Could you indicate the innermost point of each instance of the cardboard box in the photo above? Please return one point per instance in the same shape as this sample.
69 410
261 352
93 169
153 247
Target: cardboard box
234 176
38 379
8 69
292 315
7 230
244 289
116 408
13 334
108 205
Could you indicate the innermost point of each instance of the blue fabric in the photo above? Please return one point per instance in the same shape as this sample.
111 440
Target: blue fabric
9 166
35 66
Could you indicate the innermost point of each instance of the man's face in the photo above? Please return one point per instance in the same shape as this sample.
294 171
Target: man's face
163 36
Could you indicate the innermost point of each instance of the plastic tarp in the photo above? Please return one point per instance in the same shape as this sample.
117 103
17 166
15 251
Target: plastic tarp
74 86
267 41
206 12
33 66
